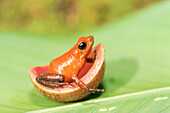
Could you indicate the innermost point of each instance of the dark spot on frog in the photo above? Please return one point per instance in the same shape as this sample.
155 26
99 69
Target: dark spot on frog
81 52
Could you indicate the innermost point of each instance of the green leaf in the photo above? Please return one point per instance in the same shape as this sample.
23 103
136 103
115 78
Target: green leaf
137 66
146 101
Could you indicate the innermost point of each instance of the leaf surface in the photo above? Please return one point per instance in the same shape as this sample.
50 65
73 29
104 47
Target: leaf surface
137 66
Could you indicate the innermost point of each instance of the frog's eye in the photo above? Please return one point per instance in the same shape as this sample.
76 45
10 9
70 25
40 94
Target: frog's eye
82 45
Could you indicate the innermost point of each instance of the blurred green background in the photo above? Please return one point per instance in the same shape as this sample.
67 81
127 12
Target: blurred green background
135 35
63 16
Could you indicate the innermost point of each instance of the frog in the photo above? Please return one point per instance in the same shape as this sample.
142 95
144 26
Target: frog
65 69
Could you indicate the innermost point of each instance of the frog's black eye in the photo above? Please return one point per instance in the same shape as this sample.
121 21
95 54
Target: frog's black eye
82 45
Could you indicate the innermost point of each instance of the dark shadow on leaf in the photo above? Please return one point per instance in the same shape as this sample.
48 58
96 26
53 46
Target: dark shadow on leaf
118 73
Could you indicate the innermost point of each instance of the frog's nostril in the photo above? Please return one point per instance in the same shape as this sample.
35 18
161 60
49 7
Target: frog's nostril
90 38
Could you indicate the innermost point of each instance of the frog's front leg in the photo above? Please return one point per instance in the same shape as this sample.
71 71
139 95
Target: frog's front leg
51 80
83 86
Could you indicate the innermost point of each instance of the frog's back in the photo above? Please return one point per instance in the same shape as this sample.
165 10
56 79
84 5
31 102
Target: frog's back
67 65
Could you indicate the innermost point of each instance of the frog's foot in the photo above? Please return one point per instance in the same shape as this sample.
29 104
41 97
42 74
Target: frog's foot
96 90
66 83
53 84
84 87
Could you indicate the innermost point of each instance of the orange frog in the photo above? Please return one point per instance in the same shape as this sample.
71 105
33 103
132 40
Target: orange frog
64 69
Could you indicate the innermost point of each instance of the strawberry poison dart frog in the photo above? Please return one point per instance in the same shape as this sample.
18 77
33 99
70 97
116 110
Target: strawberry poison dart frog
64 69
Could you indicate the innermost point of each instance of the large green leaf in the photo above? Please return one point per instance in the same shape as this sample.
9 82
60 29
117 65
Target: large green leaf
137 66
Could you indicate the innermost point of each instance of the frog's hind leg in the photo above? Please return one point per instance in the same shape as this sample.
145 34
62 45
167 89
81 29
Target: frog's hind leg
53 84
66 83
49 84
51 80
84 87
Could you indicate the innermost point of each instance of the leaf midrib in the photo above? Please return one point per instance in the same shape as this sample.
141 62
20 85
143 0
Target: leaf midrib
104 99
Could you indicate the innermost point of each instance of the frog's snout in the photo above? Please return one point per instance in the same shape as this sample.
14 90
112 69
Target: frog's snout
90 38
